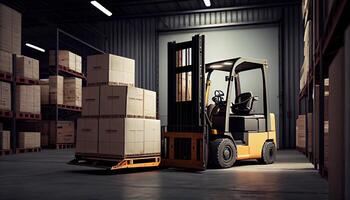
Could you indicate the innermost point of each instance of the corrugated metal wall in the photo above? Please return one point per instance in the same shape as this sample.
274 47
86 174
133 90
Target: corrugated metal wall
138 39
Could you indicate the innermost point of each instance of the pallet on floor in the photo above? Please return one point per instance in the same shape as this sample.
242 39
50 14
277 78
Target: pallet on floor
27 150
60 146
4 152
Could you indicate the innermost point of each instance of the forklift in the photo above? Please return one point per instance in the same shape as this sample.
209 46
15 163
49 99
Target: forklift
201 134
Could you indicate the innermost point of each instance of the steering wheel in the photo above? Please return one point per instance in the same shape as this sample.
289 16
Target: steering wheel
218 96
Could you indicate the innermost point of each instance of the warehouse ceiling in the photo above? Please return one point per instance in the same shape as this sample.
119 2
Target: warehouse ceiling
64 11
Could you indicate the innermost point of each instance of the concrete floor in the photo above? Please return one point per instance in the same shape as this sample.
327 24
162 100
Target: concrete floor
46 176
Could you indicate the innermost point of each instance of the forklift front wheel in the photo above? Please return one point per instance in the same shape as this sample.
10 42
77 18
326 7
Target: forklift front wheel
268 153
223 153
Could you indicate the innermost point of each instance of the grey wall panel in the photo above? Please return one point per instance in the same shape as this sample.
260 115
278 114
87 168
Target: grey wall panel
137 38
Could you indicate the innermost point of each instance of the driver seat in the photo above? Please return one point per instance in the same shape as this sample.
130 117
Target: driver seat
243 104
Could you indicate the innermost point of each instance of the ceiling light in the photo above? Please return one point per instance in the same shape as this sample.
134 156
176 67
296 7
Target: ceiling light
207 3
101 8
35 47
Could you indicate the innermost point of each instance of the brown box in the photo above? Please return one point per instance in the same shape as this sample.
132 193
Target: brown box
108 68
62 133
300 132
72 91
28 99
56 89
44 91
149 104
87 135
78 63
326 143
5 62
29 139
27 67
65 58
5 140
45 131
10 30
128 136
91 101
121 100
5 96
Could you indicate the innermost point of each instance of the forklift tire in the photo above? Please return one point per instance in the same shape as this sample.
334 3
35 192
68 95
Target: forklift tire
223 153
268 153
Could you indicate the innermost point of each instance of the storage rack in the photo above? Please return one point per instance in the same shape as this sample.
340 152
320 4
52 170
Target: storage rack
12 117
326 41
56 112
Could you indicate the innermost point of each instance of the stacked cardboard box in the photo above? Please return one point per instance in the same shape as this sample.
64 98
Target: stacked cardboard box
62 132
5 62
304 71
115 122
27 67
4 140
44 91
56 89
28 98
300 132
66 59
110 69
10 30
29 139
5 96
72 91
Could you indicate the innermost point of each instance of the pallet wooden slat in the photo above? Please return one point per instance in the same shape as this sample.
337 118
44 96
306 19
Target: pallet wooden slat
26 150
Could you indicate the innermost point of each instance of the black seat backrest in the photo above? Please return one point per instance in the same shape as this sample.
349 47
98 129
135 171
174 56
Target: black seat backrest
243 104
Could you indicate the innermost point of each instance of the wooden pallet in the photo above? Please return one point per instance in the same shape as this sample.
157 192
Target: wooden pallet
5 76
26 150
71 72
68 107
27 81
4 152
121 116
110 84
6 113
30 116
65 146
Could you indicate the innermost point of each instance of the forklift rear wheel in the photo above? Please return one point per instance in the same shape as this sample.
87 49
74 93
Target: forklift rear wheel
223 153
268 153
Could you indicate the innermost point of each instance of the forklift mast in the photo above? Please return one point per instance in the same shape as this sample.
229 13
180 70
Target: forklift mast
185 139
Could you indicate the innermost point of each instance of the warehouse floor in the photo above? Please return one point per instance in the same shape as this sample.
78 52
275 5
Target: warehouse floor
46 176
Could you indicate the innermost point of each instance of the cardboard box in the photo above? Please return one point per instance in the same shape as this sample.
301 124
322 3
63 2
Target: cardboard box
72 91
300 132
5 140
91 101
326 143
128 136
121 100
45 91
78 63
87 135
29 139
108 68
28 99
5 62
56 89
309 132
62 132
10 30
5 96
45 131
149 104
27 67
65 58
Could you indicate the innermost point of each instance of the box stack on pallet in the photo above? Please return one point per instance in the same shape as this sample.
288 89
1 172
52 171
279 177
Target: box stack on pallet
19 90
301 133
305 68
63 92
118 119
